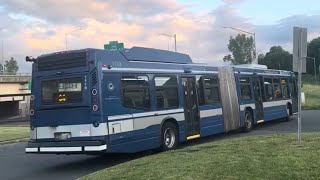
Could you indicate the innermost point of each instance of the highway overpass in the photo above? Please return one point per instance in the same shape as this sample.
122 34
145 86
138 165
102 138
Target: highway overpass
14 95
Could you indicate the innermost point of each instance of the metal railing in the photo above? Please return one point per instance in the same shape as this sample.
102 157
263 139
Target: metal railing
14 74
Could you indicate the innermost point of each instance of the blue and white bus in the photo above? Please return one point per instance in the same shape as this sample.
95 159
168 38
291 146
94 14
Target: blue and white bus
98 101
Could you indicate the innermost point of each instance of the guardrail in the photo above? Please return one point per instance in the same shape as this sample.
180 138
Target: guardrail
15 74
10 95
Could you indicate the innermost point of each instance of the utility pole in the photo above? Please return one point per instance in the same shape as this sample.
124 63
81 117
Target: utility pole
2 56
2 50
314 67
175 40
68 33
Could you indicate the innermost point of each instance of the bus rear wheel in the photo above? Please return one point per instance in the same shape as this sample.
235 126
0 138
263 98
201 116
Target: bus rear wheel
248 121
169 136
289 113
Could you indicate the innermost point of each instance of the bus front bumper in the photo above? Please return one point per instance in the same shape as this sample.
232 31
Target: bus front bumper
77 147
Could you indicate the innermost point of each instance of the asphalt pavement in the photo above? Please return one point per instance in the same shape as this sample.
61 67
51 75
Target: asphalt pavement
15 164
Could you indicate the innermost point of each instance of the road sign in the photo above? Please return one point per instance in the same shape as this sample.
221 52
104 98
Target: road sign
299 64
299 48
114 46
29 84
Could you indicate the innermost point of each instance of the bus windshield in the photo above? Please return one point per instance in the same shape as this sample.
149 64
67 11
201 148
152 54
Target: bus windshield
66 90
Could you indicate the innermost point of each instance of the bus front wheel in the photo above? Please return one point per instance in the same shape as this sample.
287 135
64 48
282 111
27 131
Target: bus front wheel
169 136
248 121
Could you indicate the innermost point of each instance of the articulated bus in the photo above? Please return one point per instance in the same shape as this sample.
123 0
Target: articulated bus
98 101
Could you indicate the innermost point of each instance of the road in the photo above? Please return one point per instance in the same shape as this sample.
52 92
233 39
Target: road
15 164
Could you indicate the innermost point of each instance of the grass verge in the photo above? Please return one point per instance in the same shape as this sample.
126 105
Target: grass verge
10 133
312 93
261 157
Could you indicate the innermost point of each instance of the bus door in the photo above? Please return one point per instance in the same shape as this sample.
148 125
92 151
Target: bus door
258 98
191 109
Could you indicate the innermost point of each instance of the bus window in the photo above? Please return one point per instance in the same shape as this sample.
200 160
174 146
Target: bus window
166 92
135 92
277 89
62 90
293 87
208 90
284 87
245 88
200 90
211 90
268 89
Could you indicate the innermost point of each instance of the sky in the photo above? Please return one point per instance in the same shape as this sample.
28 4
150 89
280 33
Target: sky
38 27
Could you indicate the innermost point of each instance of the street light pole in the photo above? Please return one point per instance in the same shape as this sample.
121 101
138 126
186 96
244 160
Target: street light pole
66 38
175 40
314 66
2 50
68 33
254 39
2 58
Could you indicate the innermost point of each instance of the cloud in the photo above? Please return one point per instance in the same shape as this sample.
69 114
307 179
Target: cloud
39 26
282 32
233 1
72 11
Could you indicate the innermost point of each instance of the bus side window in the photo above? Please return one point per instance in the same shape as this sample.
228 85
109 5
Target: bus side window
200 90
208 90
277 88
293 88
268 88
211 90
284 87
166 92
245 88
135 92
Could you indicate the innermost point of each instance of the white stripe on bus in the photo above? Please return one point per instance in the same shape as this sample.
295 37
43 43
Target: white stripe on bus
31 149
243 106
276 103
142 70
210 112
140 123
136 115
155 70
95 148
80 130
60 149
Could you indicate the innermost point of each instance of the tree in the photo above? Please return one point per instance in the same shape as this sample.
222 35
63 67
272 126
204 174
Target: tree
276 58
313 51
242 49
11 66
1 69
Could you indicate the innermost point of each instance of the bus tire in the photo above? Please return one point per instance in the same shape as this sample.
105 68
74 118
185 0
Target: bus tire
248 121
289 112
169 136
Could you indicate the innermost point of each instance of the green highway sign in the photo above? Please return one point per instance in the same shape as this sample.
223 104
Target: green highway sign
29 85
114 46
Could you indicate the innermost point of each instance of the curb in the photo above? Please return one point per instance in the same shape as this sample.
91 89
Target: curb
12 141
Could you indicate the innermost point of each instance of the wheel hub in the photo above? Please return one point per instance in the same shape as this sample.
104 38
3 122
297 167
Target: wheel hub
169 138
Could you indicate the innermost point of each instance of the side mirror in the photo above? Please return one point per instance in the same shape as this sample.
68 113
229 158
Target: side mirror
30 59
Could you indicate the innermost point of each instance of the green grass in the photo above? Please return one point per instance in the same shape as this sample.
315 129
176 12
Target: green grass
8 133
261 157
312 94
